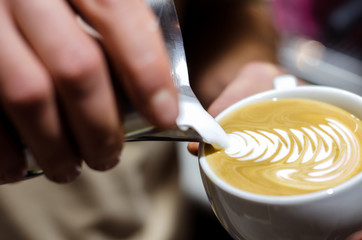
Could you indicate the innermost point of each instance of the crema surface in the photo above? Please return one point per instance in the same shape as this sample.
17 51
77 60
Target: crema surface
288 147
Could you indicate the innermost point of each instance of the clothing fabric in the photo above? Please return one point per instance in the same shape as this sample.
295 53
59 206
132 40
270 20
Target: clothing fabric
139 199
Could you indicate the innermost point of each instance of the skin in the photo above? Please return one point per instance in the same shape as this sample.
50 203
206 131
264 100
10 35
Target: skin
56 94
355 236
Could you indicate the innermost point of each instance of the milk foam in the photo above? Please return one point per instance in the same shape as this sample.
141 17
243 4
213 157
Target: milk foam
288 147
313 145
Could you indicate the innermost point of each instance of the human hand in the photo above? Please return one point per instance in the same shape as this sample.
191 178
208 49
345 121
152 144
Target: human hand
355 236
55 89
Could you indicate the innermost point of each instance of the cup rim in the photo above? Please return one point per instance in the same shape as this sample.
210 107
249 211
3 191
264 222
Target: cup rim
314 93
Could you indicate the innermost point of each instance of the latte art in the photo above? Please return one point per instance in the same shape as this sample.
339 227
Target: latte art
313 147
289 147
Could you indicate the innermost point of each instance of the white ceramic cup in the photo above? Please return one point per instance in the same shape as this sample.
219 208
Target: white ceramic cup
334 213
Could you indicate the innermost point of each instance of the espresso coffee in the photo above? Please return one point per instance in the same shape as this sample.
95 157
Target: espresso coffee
288 147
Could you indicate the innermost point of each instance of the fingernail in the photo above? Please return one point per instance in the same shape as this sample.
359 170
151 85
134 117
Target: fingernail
66 177
164 107
105 166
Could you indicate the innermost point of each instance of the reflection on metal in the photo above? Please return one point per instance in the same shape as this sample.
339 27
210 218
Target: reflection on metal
181 72
193 122
312 61
310 53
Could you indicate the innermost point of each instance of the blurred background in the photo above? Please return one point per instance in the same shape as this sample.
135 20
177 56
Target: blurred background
321 41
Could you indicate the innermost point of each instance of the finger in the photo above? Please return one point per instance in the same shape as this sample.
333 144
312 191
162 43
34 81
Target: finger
80 74
253 78
132 38
12 162
355 236
193 148
27 97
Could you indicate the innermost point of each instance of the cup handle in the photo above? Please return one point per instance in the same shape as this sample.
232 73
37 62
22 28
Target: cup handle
285 82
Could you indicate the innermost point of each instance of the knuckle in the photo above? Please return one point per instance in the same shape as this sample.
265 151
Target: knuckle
140 65
77 64
96 8
103 10
29 95
108 4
